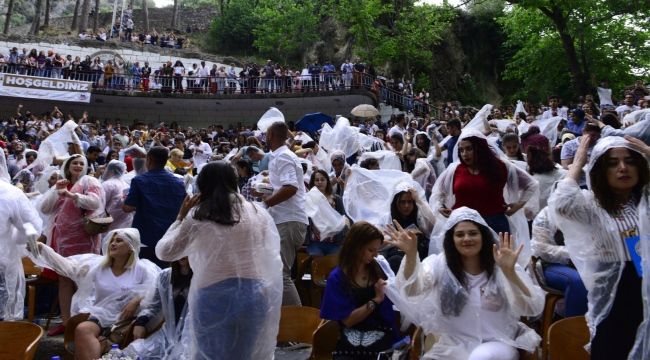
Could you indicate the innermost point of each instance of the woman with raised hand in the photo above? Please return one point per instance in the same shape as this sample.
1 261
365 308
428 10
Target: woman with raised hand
234 250
607 234
471 295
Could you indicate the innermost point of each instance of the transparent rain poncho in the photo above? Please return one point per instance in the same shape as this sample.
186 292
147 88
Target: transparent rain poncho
173 340
365 197
387 159
270 116
479 122
236 290
593 241
520 186
548 128
4 171
435 300
115 191
636 116
85 271
323 216
68 236
56 145
543 242
341 137
15 211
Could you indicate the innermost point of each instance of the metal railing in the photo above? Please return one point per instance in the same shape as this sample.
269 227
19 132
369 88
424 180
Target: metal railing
228 85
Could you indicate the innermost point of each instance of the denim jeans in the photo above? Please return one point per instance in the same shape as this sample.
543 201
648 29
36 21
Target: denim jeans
567 279
227 318
498 223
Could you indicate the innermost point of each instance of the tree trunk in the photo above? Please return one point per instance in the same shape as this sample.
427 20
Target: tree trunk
577 73
46 21
145 11
175 15
36 23
10 8
75 15
96 19
85 9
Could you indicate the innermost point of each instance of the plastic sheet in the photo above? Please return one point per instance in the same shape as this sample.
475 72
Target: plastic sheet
16 211
636 116
548 128
237 281
340 137
543 240
520 108
115 191
595 247
387 159
172 341
327 220
270 116
365 194
42 183
68 234
4 171
56 145
435 300
84 269
480 119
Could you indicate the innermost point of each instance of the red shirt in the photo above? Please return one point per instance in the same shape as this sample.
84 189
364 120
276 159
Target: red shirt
478 192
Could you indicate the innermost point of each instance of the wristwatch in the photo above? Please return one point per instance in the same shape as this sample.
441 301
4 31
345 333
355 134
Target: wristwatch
371 305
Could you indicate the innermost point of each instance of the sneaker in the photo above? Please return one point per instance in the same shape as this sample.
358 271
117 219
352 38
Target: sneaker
57 330
291 345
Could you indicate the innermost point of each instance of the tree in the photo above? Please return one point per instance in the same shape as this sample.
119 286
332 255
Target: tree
96 16
75 15
145 11
285 28
233 30
85 9
46 21
36 22
10 8
593 38
174 23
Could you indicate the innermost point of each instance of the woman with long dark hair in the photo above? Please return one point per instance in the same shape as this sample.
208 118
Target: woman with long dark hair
355 297
607 233
234 251
482 181
471 295
318 245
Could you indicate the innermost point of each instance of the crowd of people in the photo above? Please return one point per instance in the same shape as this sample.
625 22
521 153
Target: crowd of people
434 220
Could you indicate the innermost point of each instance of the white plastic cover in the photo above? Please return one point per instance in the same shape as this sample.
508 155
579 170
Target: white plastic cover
83 270
115 191
270 116
426 299
520 108
232 256
543 242
4 171
635 116
387 159
548 128
324 217
341 137
480 119
365 197
15 210
597 251
172 341
56 145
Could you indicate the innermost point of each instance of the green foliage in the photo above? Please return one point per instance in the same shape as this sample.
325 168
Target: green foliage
197 3
233 31
610 38
285 28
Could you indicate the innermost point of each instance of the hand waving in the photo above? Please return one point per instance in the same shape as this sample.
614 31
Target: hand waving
402 239
505 254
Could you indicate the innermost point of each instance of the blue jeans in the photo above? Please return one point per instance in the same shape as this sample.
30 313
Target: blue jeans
227 318
567 279
498 223
316 248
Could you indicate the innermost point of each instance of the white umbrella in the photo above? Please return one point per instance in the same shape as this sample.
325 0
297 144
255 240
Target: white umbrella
365 110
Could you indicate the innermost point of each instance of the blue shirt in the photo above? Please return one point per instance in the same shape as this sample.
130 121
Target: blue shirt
157 196
574 128
451 144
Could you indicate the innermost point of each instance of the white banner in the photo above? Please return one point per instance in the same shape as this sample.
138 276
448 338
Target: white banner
34 87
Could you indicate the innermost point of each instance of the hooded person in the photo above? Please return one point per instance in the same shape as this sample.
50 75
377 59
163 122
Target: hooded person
73 198
484 180
115 190
19 220
109 286
4 170
607 235
340 171
25 180
472 294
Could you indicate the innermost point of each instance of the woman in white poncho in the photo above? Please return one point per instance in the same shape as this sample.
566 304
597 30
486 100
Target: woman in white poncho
115 190
471 295
110 286
607 234
234 251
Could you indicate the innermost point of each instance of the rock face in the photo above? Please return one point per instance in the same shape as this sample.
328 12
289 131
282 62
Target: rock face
159 19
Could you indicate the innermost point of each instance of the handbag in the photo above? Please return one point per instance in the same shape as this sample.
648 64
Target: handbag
116 334
97 225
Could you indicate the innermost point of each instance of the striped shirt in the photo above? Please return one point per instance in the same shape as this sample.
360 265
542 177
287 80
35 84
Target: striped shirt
626 219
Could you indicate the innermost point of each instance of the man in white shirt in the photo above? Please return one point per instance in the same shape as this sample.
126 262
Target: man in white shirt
203 73
287 204
605 95
400 126
554 109
628 106
201 152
